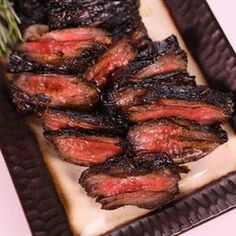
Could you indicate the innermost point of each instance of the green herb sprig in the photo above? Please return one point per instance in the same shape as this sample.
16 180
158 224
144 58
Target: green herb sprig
9 31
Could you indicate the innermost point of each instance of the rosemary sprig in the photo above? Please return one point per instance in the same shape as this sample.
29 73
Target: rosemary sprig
9 30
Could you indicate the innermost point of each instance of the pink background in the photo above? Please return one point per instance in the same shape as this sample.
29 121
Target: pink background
12 219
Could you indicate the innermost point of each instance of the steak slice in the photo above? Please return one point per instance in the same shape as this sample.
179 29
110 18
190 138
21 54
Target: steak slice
56 119
159 58
133 94
119 18
197 103
85 148
94 13
33 92
49 55
147 181
182 140
117 56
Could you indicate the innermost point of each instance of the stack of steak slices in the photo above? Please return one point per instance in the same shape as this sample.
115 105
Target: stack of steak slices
111 99
166 110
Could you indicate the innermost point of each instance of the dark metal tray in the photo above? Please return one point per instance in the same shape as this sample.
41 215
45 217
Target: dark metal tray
44 211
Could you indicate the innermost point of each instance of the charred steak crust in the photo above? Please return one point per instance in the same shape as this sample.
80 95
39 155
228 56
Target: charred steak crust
120 18
22 62
27 104
171 79
150 55
170 44
126 166
118 99
73 119
129 172
148 86
183 140
199 93
96 13
75 132
25 8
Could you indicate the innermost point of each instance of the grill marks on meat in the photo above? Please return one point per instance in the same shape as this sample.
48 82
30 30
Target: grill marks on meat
65 51
147 181
159 58
85 148
198 103
133 94
117 56
183 140
95 13
56 119
71 57
120 18
35 91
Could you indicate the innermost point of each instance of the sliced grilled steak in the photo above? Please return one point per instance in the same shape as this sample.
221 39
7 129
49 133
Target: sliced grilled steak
182 140
120 18
117 56
197 103
133 94
51 51
85 149
56 119
159 58
32 92
147 181
49 55
95 13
